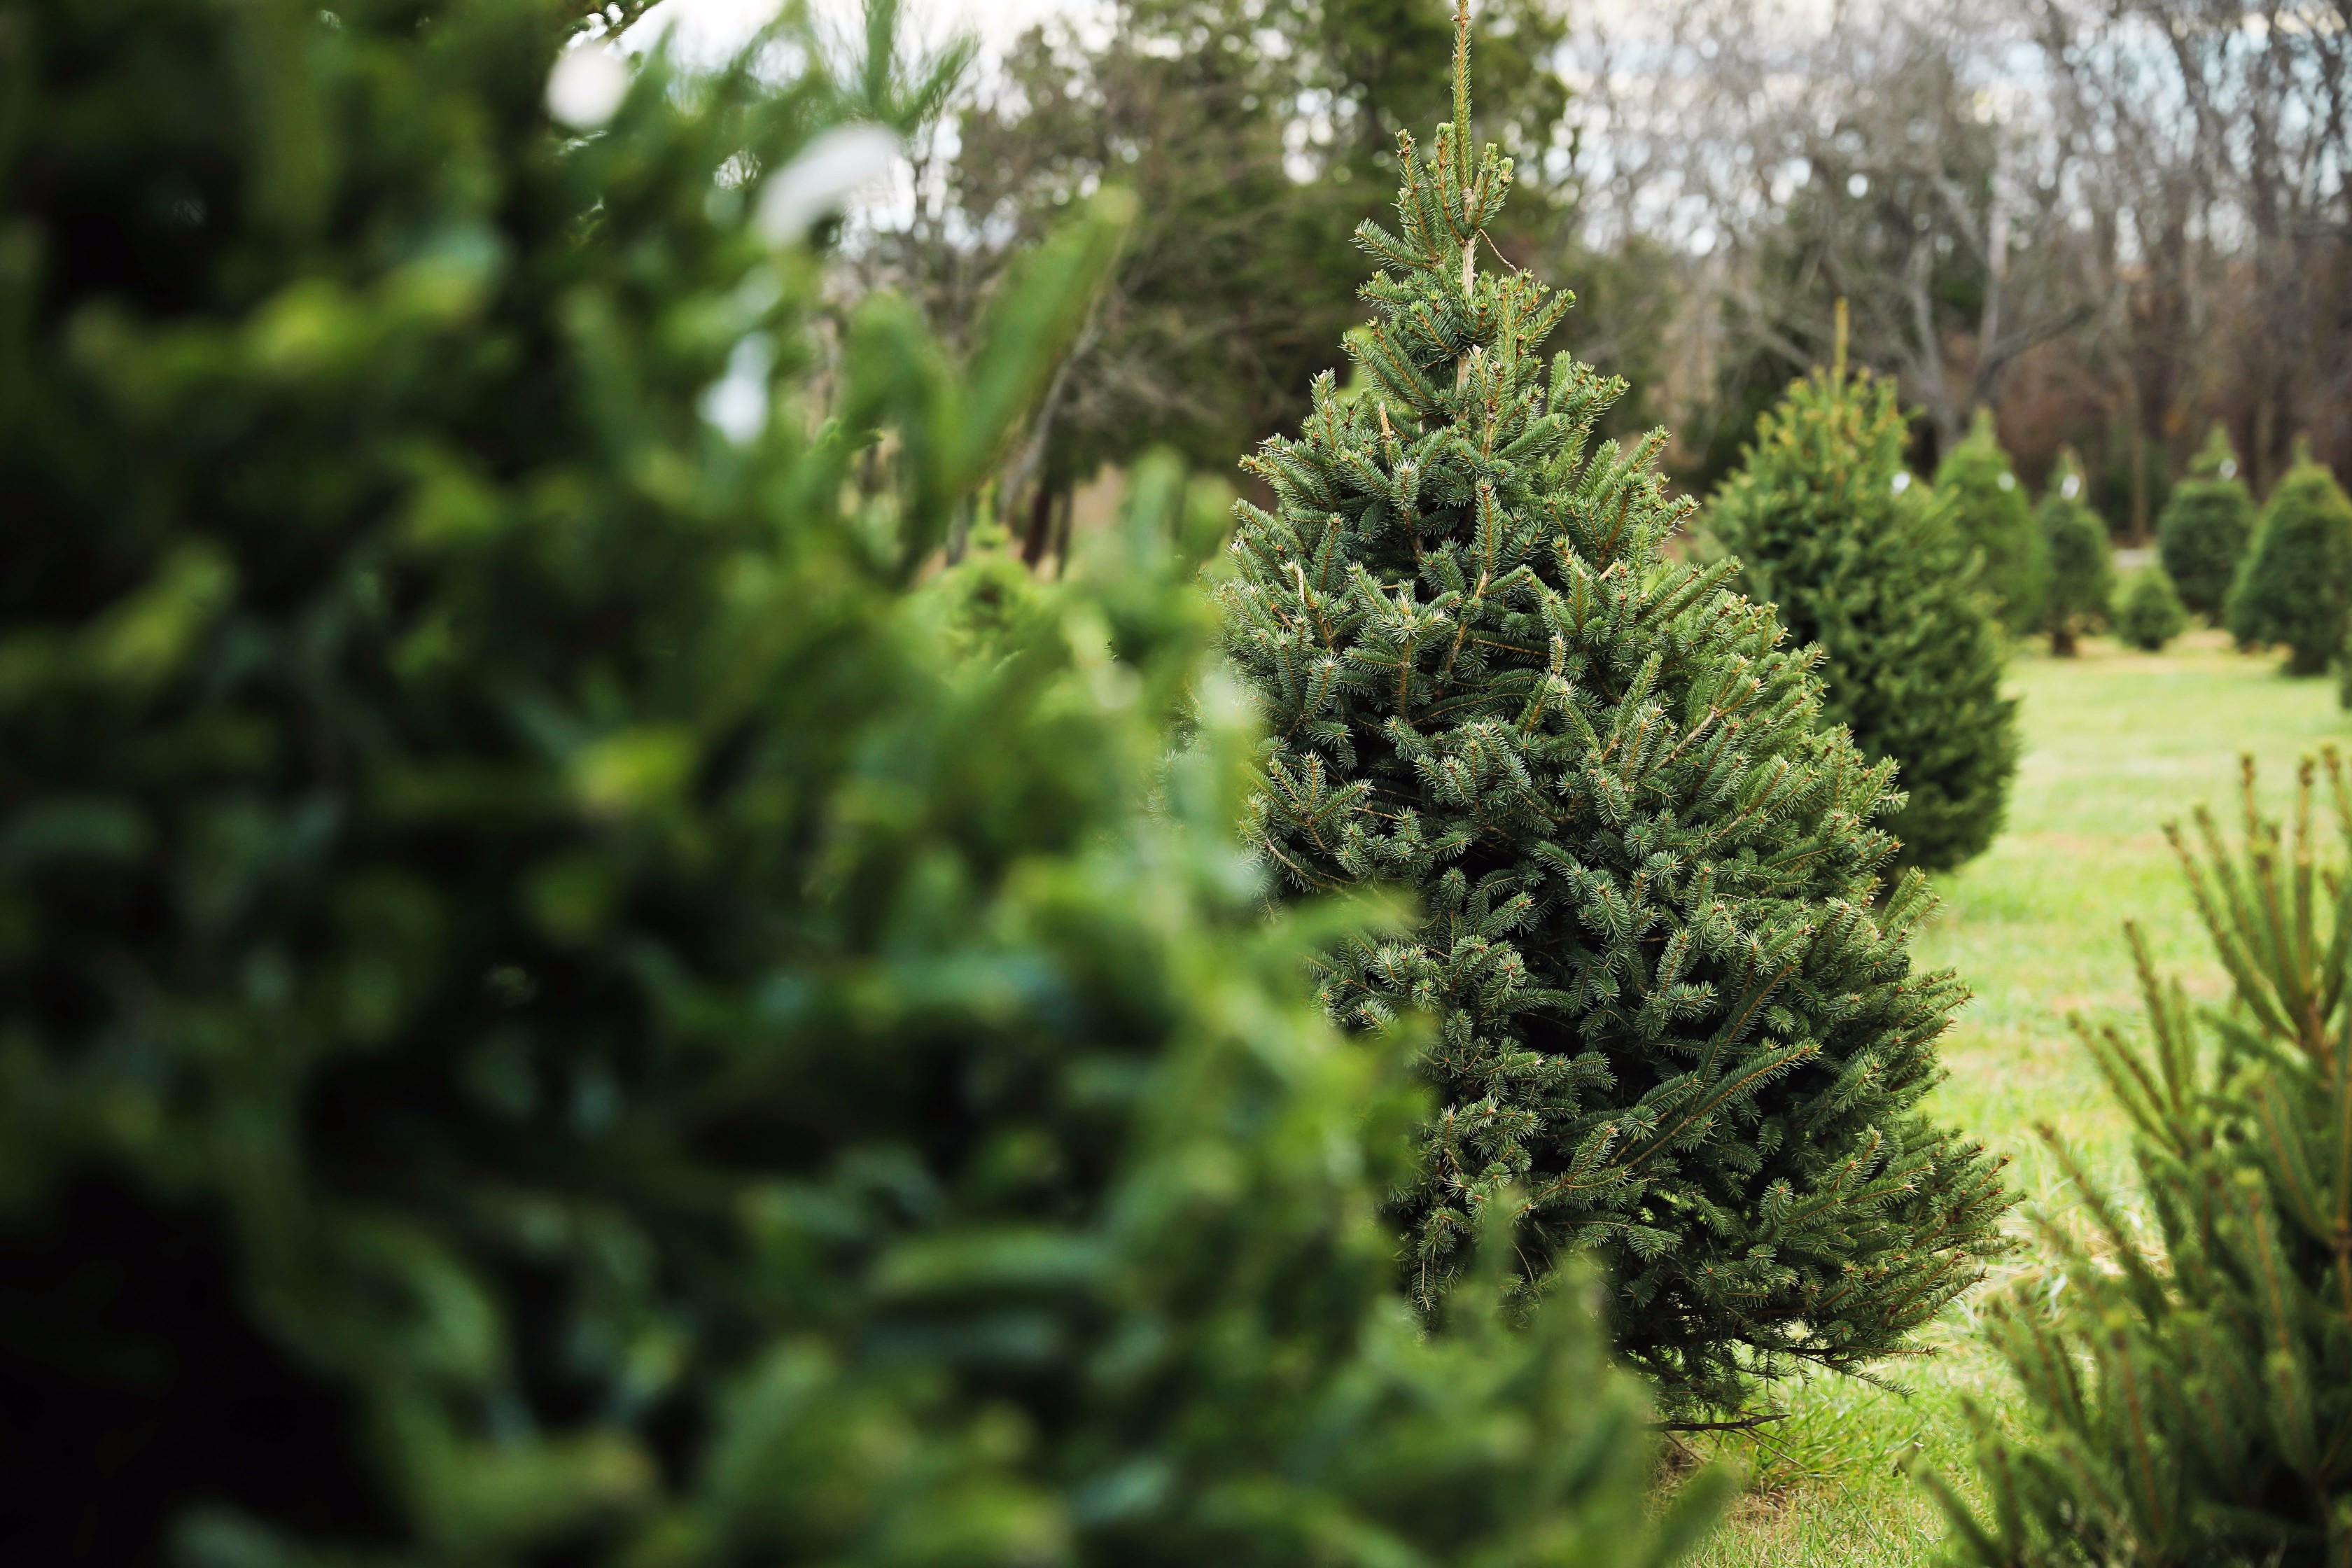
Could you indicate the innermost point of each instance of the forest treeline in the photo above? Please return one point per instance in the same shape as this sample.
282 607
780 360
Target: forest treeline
2113 225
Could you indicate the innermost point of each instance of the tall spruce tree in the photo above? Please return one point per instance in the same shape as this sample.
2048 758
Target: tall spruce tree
1671 1010
2188 1398
1830 528
2296 584
545 1015
2081 583
2206 524
1989 508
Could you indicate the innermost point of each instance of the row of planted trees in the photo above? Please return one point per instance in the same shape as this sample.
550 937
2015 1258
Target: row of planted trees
2280 575
569 999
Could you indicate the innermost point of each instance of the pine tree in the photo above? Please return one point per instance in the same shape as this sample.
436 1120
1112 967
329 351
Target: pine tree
1671 1010
1830 528
546 1017
1990 509
2151 613
2296 587
2191 1402
2207 522
2081 582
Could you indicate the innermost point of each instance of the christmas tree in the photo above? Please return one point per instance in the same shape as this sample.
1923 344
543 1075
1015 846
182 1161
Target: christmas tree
2151 613
1677 1016
2296 584
2081 582
548 1016
2207 521
1830 528
2187 1397
1989 508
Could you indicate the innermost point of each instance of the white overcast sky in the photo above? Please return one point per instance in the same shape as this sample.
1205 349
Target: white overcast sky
715 24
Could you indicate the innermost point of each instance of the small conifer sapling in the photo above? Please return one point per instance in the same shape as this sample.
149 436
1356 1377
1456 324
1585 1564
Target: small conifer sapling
2207 521
2150 614
1991 511
2081 583
2188 1399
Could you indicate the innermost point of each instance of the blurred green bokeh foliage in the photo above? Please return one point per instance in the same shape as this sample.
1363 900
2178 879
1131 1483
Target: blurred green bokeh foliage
556 1005
1990 509
2081 587
2150 612
2207 522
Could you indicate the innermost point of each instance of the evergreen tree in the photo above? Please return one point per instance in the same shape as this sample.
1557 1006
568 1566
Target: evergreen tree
2203 532
2191 1402
2151 613
1672 1011
2081 582
2296 587
1990 509
546 1017
1830 528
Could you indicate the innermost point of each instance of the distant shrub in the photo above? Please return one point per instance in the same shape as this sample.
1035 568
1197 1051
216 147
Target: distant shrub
1865 562
547 1016
2206 525
2081 583
2296 587
2150 614
1989 508
2187 1396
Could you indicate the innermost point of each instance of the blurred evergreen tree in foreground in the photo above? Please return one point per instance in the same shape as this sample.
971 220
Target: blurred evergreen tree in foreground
2081 583
554 1011
2191 1402
2207 522
1989 508
1831 530
1672 1013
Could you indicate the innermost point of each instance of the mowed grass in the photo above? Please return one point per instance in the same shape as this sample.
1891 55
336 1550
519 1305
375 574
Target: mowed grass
2115 743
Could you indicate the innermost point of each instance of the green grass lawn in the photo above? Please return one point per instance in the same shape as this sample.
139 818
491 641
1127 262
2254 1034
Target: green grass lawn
2115 743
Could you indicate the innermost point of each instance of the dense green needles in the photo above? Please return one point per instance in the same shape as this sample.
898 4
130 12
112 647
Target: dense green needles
1831 531
1677 1016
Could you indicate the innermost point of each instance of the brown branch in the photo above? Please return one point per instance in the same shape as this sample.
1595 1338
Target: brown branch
1745 1423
